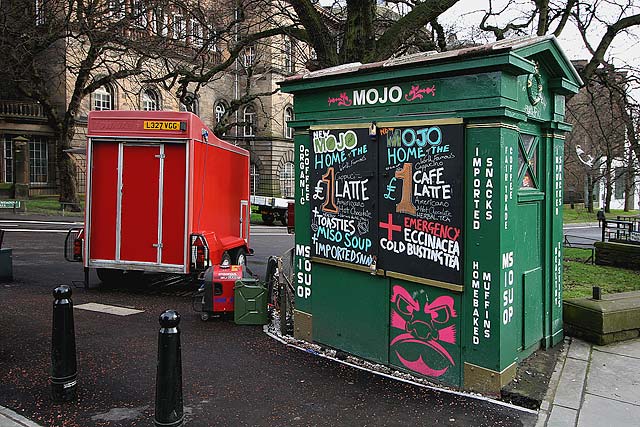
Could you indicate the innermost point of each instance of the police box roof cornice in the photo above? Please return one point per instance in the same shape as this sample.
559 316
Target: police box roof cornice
512 54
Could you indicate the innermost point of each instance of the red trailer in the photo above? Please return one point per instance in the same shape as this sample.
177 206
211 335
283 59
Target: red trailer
163 195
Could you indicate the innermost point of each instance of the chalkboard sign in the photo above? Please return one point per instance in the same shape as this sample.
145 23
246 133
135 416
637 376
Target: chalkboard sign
344 194
421 202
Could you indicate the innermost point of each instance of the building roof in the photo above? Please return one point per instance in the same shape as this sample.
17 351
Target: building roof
522 45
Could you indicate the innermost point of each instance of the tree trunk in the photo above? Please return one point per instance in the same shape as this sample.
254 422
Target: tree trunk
67 170
359 35
589 202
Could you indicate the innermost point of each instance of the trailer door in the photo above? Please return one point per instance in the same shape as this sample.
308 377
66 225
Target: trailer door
152 205
139 203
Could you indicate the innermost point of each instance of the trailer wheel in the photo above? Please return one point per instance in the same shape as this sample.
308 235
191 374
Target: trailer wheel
268 219
110 276
240 257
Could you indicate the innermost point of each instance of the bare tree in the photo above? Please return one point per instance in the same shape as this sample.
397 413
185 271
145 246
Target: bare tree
599 135
96 42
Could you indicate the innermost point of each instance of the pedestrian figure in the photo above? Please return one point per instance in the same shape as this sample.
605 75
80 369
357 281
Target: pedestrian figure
601 217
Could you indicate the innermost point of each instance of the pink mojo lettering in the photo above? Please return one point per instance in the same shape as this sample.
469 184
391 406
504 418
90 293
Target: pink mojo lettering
373 96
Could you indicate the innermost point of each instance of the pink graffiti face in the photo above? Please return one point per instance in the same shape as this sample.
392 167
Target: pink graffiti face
422 331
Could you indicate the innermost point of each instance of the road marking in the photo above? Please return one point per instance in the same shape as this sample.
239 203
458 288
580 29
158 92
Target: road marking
2 221
34 230
108 309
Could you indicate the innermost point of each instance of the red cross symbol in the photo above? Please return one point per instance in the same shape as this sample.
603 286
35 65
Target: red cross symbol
390 227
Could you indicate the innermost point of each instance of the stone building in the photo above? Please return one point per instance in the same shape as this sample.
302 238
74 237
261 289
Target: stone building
259 125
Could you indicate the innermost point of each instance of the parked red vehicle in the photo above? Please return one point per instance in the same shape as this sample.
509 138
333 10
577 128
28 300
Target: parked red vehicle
163 195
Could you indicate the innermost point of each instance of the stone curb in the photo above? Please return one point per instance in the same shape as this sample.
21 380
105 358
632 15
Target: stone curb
547 402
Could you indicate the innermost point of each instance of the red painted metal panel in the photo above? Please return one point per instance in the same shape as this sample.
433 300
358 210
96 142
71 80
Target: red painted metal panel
139 210
173 204
103 200
220 181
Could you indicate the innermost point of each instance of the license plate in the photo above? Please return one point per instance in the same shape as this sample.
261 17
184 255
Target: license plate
161 125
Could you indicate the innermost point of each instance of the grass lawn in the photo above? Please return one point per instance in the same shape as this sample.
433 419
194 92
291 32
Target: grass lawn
49 205
580 214
579 277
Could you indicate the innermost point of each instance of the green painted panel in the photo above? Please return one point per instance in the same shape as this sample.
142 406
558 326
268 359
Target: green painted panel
510 294
528 262
351 311
423 95
424 326
482 306
302 252
554 259
532 306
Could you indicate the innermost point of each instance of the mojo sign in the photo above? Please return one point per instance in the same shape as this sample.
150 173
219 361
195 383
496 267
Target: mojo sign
384 95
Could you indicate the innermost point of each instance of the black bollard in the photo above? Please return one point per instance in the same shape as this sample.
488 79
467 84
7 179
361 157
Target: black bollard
64 369
169 409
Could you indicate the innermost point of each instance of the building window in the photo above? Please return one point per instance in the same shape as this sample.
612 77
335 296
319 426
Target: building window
255 179
249 56
288 116
139 14
150 100
8 159
179 27
38 160
103 98
289 65
287 180
196 33
249 119
116 8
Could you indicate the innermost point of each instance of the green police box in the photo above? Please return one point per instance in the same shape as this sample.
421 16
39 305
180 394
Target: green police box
428 231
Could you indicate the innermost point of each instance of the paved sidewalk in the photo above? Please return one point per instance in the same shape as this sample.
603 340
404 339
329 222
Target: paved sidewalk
594 386
8 418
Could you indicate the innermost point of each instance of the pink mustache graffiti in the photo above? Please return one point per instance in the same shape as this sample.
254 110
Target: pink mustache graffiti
425 327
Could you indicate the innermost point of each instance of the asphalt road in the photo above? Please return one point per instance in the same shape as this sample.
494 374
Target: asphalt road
232 375
582 235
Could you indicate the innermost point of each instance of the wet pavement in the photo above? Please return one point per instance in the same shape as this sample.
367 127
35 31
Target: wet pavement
232 375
